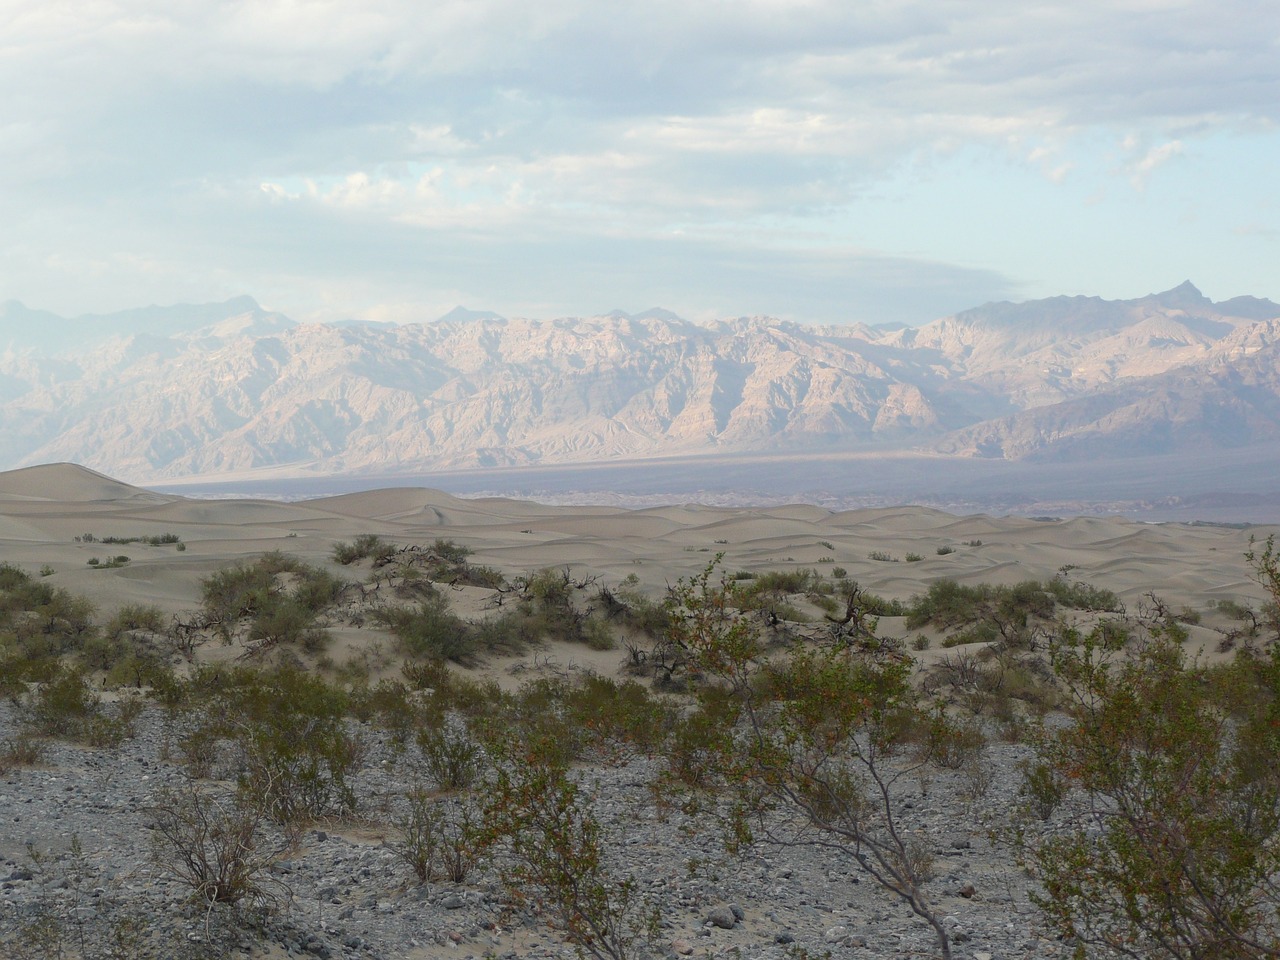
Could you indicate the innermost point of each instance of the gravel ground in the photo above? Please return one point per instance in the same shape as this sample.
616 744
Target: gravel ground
76 866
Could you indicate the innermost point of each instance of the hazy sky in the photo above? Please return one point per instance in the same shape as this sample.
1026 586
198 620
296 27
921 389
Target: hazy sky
866 160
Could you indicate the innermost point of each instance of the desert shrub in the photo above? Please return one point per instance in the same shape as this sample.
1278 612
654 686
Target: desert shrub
112 729
451 552
557 861
640 612
983 613
531 725
42 621
135 617
438 839
19 751
240 590
364 546
1077 595
1234 610
198 746
617 715
597 635
952 743
295 753
944 550
1176 852
61 706
452 758
280 610
429 630
287 622
913 558
780 582
217 846
806 751
315 590
839 572
881 556
694 751
548 597
946 604
394 707
1188 615
1044 788
153 540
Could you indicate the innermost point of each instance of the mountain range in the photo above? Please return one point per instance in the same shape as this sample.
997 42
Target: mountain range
169 392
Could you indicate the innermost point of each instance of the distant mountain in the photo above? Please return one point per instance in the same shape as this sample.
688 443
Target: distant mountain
169 392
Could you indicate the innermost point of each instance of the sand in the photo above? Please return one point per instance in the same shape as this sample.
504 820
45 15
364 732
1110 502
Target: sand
44 509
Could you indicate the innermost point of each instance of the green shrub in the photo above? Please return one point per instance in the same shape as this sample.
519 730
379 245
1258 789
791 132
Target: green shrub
1044 787
1077 595
438 839
279 611
1175 853
297 756
364 546
451 552
430 631
557 859
944 550
131 617
62 706
452 758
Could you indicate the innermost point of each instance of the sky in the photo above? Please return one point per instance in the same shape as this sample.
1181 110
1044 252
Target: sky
832 162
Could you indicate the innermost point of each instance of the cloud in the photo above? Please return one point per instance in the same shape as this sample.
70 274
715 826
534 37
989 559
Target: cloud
1149 159
765 118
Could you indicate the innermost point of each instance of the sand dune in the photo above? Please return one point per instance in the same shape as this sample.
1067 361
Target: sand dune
43 510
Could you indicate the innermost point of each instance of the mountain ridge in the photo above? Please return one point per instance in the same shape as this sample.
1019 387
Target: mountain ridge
162 393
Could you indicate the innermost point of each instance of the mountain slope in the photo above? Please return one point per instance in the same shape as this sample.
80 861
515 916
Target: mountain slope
170 392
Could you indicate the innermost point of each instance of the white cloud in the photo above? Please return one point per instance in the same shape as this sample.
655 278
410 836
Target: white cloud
762 118
1151 159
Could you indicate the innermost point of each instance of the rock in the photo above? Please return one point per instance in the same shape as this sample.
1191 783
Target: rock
967 891
722 917
681 947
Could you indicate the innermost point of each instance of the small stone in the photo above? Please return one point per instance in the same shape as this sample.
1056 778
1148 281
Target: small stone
835 934
453 902
967 891
784 937
682 947
738 912
982 955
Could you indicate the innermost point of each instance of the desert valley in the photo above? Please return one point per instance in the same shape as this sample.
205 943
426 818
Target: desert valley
119 798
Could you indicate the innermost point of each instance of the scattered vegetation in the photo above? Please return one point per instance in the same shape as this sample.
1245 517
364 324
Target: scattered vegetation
1160 790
